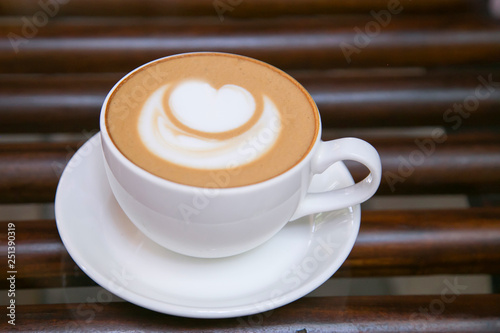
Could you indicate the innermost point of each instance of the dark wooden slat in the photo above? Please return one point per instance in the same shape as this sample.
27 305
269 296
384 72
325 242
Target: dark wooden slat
71 103
121 45
419 99
462 241
390 243
451 164
41 258
30 172
233 8
436 165
52 103
460 313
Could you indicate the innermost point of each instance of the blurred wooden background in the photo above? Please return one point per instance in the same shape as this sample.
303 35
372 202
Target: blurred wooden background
418 79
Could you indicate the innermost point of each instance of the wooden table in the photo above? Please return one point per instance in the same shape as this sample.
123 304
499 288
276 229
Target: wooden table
420 80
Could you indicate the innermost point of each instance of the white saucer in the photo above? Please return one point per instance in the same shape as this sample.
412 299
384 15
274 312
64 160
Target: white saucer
116 255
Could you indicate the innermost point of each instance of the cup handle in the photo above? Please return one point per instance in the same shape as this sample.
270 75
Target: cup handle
333 151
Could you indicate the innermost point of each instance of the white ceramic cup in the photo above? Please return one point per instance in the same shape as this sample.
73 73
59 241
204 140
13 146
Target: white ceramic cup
212 223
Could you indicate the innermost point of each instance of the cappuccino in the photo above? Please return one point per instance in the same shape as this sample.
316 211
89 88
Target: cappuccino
212 120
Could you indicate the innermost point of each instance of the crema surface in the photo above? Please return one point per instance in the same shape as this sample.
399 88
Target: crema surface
212 120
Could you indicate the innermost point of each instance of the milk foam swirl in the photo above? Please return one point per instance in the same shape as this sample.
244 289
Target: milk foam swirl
195 125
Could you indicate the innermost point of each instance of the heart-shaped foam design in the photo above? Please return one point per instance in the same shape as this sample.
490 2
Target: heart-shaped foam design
201 107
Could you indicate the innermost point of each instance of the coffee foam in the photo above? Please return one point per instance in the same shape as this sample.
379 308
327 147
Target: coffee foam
201 107
204 111
275 128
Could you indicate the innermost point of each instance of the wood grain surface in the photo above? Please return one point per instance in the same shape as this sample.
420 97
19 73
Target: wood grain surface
231 8
460 313
436 164
101 45
390 243
346 99
398 78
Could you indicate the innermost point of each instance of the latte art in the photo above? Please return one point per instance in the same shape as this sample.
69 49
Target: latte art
201 107
212 120
194 125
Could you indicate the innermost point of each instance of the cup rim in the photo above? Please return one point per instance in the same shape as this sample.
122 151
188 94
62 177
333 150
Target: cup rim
144 174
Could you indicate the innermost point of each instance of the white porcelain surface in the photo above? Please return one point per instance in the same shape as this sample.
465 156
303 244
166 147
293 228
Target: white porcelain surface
119 257
221 221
